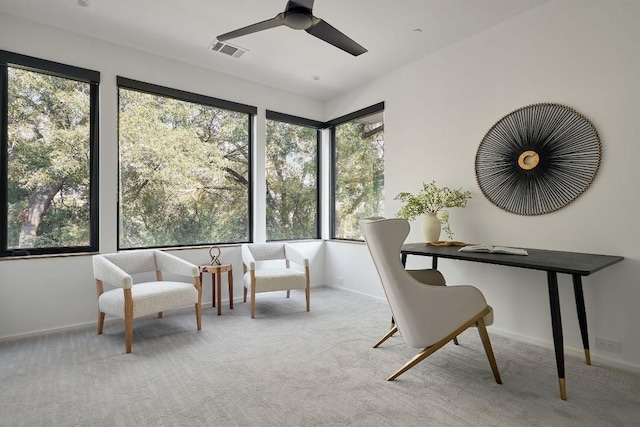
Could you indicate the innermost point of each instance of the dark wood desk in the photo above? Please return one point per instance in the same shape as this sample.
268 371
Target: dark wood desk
553 262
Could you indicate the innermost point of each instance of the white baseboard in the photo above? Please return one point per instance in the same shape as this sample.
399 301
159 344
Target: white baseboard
598 358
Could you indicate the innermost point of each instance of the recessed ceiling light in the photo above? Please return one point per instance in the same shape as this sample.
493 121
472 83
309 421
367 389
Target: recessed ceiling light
83 3
315 77
417 30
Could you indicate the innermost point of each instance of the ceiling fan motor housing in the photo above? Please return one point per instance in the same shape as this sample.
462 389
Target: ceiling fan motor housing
298 19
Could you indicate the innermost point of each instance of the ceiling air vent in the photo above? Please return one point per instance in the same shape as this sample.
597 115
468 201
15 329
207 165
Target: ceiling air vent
227 49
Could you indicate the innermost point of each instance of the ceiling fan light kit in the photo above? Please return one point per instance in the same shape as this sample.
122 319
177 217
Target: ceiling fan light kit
298 15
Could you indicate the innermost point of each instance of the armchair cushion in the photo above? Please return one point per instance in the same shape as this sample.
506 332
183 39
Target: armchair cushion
149 297
276 279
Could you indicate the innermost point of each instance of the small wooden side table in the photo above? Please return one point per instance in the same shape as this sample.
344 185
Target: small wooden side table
216 283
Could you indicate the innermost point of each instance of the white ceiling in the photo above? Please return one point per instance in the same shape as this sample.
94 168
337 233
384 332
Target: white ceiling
280 57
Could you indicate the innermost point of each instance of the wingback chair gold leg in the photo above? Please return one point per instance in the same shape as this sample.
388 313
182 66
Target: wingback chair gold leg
478 320
484 336
392 332
388 335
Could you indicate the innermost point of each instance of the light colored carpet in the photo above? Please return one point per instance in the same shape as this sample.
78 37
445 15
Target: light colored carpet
288 367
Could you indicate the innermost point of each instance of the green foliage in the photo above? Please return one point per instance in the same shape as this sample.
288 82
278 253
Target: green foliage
184 172
359 186
292 181
48 161
432 199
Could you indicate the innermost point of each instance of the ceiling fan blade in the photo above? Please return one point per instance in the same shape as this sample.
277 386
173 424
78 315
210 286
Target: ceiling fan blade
260 26
326 32
307 4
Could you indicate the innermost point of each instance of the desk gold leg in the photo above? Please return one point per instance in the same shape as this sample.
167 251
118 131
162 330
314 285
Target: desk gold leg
587 356
563 389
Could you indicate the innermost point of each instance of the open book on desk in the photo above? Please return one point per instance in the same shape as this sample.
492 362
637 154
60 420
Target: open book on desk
490 249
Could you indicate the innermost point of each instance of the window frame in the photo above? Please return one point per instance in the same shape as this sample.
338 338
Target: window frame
318 126
331 124
181 95
70 72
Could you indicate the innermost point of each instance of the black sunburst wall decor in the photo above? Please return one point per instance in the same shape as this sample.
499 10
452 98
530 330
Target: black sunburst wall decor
538 159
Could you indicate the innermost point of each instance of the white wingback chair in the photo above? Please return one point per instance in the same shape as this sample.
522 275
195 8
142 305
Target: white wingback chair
267 268
129 300
426 316
429 276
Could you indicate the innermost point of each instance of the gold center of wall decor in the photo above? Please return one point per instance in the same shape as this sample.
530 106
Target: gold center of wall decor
528 160
538 159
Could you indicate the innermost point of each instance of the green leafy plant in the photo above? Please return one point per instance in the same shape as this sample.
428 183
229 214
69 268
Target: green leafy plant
433 199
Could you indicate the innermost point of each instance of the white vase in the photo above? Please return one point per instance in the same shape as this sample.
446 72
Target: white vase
431 227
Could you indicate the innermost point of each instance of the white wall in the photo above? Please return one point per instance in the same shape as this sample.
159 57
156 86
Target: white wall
51 293
583 54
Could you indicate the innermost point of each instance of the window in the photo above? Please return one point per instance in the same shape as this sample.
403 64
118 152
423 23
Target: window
184 168
48 152
358 170
292 200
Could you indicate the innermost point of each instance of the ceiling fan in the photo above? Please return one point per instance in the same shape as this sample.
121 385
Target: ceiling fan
298 15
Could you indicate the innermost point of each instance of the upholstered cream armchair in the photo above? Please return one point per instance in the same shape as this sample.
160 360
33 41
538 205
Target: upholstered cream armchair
267 268
129 300
426 316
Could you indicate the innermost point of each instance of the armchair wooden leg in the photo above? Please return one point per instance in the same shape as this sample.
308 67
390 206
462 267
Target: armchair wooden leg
99 290
128 335
199 315
128 319
159 315
100 322
253 302
288 293
482 330
253 293
245 294
308 295
388 335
